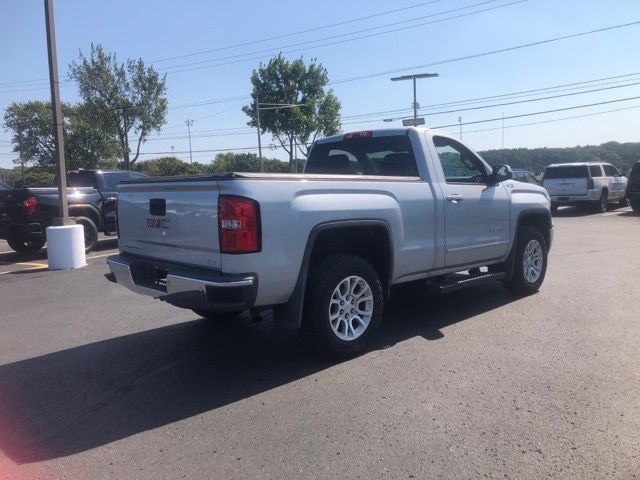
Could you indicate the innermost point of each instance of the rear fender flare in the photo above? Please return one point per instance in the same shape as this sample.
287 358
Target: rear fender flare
289 314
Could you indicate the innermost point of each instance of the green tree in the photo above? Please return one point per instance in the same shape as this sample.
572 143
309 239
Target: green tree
167 167
245 162
129 96
87 140
281 83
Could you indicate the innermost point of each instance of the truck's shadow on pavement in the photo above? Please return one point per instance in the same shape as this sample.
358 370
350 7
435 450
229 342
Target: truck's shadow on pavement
74 400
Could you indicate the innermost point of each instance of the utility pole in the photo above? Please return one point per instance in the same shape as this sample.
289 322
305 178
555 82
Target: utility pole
125 148
20 150
414 77
189 123
502 135
58 135
257 107
460 122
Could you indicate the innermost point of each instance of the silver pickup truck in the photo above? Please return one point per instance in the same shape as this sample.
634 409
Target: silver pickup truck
323 248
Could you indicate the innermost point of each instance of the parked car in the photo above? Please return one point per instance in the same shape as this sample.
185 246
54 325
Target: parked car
633 187
525 176
25 213
589 183
322 249
4 186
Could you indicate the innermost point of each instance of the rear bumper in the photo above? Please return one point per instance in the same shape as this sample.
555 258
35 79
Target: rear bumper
591 196
184 286
25 230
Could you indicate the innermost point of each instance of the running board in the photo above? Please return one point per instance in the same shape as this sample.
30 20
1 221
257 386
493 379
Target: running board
456 281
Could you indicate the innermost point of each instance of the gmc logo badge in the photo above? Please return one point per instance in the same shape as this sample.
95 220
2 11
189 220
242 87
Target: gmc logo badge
158 223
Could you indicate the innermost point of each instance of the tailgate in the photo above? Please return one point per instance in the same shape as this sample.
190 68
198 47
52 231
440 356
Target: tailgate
176 221
566 186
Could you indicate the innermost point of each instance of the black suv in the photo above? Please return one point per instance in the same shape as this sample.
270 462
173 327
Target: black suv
633 187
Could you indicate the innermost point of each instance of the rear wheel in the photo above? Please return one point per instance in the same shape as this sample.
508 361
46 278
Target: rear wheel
90 233
624 201
23 244
554 208
604 201
530 264
344 304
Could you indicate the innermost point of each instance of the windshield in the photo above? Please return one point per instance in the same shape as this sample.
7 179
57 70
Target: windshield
580 171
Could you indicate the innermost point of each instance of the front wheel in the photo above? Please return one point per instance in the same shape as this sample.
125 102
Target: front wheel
344 304
624 201
530 263
23 244
90 233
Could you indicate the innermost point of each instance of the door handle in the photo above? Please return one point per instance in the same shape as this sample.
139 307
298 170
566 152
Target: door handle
454 198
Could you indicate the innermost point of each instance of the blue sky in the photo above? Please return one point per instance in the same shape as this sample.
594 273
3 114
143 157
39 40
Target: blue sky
158 29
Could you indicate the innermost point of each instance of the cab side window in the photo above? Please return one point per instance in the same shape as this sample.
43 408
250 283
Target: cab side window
458 163
611 171
596 171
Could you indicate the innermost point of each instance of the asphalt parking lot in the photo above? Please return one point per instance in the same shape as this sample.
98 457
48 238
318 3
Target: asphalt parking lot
97 382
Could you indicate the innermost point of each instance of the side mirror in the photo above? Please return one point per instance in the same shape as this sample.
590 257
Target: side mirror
500 174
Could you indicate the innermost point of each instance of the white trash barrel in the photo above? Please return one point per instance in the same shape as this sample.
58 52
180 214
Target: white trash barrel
65 247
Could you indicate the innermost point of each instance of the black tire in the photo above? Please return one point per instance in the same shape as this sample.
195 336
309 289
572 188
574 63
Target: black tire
214 316
21 244
554 208
635 205
624 201
90 233
602 204
326 277
520 284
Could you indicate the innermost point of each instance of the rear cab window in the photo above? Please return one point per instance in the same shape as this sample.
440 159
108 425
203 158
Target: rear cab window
579 171
384 156
80 178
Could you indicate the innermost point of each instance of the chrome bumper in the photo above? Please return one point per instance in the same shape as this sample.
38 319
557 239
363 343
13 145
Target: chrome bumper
183 286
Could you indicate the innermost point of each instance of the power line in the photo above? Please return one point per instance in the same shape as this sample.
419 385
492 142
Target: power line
513 103
342 35
540 113
261 57
553 120
524 101
483 54
300 32
528 93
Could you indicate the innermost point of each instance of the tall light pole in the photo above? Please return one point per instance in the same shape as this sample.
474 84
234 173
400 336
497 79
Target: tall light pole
257 107
460 122
56 110
189 123
414 77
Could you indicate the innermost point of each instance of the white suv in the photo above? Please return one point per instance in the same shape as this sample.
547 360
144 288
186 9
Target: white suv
594 183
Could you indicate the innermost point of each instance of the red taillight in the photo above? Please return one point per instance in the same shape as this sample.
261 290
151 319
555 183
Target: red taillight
352 135
590 184
115 209
239 224
29 206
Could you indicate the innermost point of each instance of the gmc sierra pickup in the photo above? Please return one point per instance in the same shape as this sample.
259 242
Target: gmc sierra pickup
322 249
